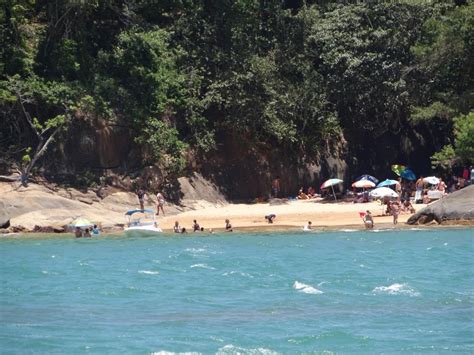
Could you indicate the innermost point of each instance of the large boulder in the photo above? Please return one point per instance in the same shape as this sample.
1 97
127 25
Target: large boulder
456 207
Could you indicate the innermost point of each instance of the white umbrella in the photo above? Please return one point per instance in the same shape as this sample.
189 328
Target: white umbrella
383 192
366 184
432 180
331 183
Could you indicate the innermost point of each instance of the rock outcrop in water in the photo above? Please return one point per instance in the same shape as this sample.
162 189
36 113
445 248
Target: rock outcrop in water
456 207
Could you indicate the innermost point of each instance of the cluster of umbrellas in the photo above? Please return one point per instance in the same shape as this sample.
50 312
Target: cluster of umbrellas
381 189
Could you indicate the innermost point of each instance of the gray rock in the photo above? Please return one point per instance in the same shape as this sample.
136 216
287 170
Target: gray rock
458 206
4 222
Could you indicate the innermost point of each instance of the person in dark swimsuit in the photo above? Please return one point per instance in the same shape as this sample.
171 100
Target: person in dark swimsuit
141 198
228 226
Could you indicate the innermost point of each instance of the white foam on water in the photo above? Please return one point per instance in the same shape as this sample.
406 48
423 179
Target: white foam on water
348 230
445 244
232 349
195 250
396 289
148 272
202 266
244 274
164 352
301 287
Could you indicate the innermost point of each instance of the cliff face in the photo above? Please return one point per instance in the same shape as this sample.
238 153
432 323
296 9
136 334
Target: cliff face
241 169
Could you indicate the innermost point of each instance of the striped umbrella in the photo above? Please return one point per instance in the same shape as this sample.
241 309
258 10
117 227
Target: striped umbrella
363 184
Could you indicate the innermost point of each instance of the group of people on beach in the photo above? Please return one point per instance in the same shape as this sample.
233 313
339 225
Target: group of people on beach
197 228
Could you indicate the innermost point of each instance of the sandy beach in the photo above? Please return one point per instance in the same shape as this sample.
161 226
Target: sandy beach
292 214
41 206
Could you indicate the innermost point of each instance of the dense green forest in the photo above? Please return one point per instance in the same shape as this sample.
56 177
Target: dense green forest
184 77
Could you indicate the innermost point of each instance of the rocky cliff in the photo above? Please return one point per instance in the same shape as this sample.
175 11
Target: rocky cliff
456 207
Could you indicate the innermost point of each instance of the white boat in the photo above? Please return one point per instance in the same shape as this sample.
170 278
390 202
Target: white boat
141 222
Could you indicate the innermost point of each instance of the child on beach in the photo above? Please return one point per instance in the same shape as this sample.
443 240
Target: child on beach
308 226
270 217
228 226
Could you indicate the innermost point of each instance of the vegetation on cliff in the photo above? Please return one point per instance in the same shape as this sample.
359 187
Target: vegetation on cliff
296 75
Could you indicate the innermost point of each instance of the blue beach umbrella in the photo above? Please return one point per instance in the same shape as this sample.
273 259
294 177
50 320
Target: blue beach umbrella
368 177
408 174
388 182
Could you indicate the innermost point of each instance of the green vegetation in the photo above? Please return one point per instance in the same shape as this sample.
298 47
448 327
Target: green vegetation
179 74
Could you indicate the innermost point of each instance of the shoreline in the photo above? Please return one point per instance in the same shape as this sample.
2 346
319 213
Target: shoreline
254 230
38 209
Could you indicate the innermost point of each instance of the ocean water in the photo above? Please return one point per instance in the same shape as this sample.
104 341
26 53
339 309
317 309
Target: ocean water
409 291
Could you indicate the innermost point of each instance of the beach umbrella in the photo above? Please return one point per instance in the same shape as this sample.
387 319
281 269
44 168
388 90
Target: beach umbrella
383 192
408 174
365 184
368 177
432 180
330 183
388 182
81 223
397 169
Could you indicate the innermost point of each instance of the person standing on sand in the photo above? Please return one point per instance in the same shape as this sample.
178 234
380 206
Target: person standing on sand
141 198
160 202
276 187
395 211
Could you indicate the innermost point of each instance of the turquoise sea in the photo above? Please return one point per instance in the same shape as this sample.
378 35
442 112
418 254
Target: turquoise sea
409 291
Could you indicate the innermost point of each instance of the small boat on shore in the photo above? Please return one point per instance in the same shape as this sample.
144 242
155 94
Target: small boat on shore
141 222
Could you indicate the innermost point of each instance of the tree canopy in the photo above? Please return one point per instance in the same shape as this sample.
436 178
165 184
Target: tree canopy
293 74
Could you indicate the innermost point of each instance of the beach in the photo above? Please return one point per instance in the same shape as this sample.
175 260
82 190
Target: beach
289 215
44 207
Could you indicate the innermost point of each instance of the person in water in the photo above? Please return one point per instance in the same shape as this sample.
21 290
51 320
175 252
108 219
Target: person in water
228 226
95 230
368 220
196 227
78 232
87 233
177 227
308 226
